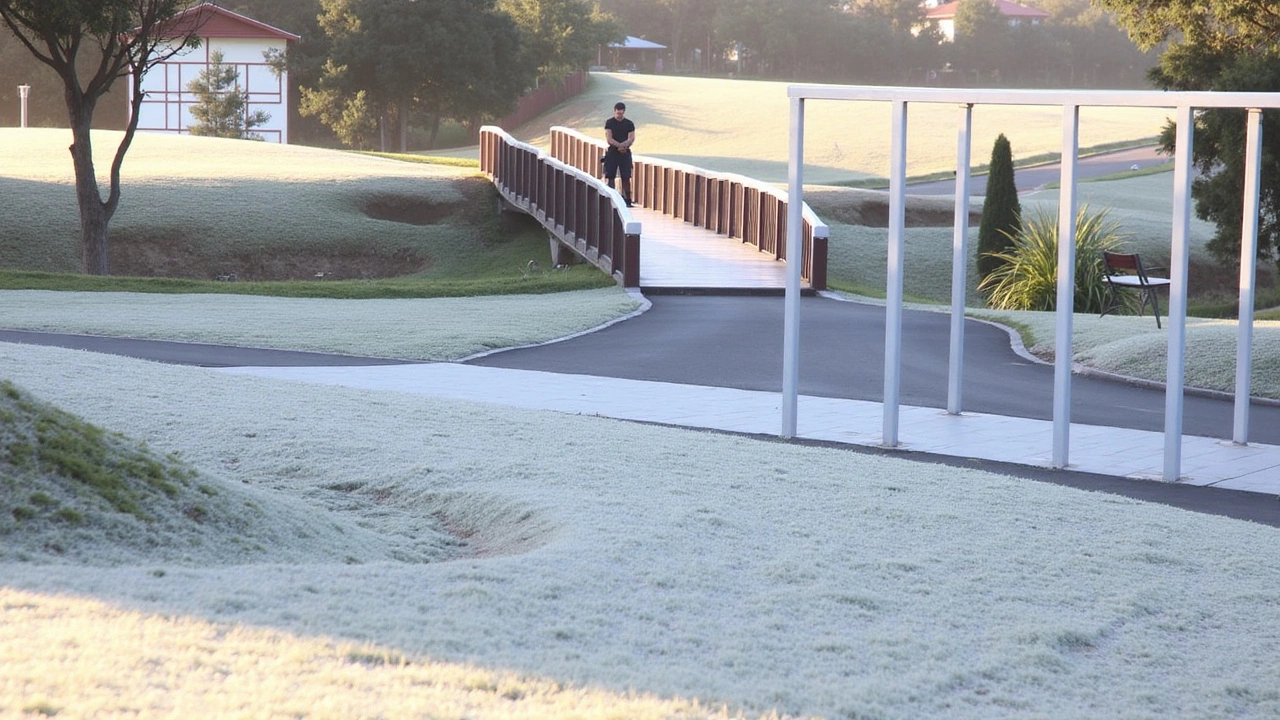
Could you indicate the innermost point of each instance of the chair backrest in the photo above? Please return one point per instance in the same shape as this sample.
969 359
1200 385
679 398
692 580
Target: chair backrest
1118 263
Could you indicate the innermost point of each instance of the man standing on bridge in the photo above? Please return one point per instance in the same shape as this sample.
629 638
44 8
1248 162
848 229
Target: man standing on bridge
619 133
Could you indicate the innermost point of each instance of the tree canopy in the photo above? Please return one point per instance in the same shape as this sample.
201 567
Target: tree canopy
1223 45
391 60
89 45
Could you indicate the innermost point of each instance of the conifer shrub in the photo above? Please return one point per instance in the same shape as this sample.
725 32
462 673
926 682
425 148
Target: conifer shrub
1000 210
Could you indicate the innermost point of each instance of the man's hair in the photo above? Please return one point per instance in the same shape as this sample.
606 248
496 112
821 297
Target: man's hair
620 106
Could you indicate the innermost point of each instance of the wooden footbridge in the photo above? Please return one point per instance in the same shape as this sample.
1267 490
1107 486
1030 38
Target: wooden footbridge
690 230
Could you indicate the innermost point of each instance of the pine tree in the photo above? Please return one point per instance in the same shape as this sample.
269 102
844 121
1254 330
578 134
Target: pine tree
1000 210
221 110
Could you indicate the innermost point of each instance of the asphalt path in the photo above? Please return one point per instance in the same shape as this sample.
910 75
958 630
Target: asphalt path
1035 177
737 342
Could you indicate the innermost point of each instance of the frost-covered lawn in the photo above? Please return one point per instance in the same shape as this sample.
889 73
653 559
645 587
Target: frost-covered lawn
607 569
421 329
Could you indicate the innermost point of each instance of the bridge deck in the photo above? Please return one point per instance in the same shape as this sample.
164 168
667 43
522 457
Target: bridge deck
675 255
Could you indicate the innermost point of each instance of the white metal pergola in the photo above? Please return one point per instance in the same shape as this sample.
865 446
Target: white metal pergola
1184 105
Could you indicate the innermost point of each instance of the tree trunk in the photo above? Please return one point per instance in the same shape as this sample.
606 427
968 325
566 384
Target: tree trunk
94 214
404 126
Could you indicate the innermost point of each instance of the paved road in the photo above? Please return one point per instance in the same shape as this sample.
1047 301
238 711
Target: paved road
1031 178
737 342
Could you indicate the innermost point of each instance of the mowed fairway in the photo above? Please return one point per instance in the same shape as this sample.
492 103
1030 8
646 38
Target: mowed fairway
742 127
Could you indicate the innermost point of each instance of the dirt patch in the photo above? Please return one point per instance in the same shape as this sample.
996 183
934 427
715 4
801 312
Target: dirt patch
173 257
853 206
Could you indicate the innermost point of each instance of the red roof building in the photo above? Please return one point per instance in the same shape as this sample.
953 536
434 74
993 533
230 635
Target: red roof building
244 44
945 15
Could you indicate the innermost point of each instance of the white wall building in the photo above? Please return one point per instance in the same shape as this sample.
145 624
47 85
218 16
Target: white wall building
167 102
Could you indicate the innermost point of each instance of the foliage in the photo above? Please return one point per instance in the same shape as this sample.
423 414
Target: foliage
1000 210
1027 278
120 38
1218 45
559 36
222 107
414 60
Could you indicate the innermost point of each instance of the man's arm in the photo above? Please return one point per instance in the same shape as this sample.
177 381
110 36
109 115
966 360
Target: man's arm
631 138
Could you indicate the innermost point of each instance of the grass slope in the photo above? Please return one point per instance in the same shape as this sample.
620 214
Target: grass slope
654 564
742 126
73 493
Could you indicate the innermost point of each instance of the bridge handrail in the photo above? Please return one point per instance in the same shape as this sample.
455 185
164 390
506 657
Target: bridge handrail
578 209
727 203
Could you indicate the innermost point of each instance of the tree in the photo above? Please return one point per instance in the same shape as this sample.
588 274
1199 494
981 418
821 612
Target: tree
120 38
1000 210
981 36
222 110
559 36
423 59
1218 45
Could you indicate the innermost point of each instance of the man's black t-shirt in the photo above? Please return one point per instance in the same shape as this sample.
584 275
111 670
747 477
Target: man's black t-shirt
621 129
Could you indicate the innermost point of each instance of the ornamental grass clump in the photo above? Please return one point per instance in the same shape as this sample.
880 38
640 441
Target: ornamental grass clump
1027 278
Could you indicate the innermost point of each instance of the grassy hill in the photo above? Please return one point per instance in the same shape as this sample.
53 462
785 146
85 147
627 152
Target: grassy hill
742 126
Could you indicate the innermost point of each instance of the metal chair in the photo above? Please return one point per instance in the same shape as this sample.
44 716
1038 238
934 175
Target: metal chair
1125 272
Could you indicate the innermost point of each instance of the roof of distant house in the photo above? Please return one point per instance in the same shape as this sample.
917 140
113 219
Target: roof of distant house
635 43
947 11
215 22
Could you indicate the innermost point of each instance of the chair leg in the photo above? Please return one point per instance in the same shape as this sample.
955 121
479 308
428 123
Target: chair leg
1155 306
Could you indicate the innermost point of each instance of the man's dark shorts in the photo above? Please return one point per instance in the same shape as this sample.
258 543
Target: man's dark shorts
617 163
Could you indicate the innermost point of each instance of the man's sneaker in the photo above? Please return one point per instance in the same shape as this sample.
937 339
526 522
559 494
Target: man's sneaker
628 202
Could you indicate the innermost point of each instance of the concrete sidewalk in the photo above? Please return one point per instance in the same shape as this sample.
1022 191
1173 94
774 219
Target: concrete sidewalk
1110 451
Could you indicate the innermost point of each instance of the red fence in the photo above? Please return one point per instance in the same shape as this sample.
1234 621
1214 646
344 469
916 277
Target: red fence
537 102
580 211
731 205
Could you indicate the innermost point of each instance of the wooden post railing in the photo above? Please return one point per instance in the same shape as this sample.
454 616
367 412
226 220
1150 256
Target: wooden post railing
580 211
731 205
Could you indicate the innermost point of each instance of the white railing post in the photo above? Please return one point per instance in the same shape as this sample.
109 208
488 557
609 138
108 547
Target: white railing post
1179 258
791 306
959 262
1248 274
893 280
1066 287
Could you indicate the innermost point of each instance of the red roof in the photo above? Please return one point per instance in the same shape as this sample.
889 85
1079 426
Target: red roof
947 11
216 22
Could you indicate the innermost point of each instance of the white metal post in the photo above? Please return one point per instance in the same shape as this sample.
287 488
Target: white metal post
23 92
791 305
1248 272
959 261
1179 258
1066 287
893 280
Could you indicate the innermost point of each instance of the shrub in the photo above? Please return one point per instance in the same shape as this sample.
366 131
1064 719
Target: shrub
1027 278
1000 210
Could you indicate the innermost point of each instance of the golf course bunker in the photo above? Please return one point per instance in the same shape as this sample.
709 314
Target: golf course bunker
407 209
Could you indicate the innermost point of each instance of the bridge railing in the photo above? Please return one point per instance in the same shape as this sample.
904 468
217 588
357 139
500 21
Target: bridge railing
579 210
731 205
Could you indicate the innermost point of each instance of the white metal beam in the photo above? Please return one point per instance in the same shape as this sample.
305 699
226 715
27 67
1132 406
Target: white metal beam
959 262
1066 287
893 280
1248 274
791 303
1179 258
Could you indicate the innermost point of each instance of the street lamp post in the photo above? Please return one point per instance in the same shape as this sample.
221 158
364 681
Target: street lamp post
23 91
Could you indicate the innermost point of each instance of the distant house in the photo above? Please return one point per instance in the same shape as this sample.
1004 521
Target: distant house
945 15
633 54
167 102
